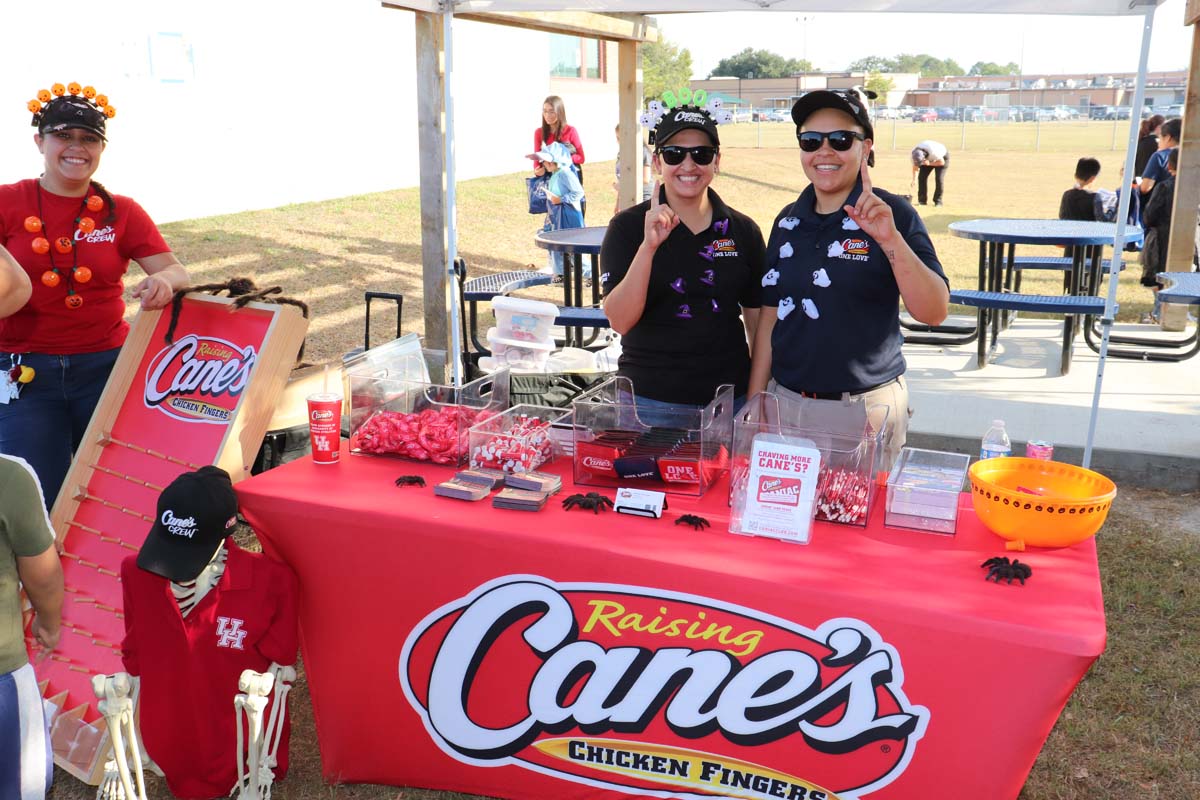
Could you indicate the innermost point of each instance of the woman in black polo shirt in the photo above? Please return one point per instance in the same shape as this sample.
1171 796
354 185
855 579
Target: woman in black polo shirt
681 274
840 259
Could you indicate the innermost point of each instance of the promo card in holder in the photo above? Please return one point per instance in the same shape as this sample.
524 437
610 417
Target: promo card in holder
781 488
641 502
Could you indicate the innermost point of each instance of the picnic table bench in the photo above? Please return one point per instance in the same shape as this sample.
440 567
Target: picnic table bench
1180 288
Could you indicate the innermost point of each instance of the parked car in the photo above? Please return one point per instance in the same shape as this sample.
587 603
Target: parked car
1098 112
946 112
1119 112
780 115
905 112
1065 112
886 112
925 115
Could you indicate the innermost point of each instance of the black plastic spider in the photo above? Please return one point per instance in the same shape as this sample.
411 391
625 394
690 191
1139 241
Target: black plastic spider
410 480
1000 569
696 522
592 500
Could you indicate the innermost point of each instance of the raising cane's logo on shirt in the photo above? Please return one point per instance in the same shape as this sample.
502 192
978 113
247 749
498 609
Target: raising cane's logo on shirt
649 692
199 379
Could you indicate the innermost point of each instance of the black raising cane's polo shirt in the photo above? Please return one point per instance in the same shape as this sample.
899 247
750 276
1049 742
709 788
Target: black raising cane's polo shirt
690 338
835 296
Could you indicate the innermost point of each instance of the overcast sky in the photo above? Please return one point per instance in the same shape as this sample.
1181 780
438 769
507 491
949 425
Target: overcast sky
1043 44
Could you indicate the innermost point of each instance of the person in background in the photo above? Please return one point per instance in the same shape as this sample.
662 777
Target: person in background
74 240
929 156
839 260
1156 167
1156 219
1147 142
565 196
29 561
681 277
554 128
647 174
1079 203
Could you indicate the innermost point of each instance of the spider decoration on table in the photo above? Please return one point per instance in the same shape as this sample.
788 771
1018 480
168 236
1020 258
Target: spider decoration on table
999 568
410 480
697 523
594 501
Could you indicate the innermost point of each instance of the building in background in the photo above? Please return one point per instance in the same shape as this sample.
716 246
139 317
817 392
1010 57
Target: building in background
229 106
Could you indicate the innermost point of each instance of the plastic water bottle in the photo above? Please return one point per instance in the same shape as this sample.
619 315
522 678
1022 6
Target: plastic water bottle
995 441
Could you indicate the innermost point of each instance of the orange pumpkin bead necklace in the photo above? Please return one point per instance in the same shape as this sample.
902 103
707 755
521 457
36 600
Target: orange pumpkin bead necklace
41 245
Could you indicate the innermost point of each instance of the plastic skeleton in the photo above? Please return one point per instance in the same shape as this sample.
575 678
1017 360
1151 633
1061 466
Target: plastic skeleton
118 694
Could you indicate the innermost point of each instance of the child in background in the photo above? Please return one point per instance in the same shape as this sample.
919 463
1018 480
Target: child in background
1157 221
1080 203
565 194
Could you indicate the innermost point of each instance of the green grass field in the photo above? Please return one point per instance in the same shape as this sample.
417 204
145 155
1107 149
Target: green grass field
1131 729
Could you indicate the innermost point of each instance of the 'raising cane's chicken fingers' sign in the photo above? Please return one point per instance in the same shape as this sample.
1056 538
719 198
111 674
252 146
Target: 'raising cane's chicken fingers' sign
660 694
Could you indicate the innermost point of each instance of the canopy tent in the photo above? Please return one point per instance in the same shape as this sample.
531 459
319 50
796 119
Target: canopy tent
505 10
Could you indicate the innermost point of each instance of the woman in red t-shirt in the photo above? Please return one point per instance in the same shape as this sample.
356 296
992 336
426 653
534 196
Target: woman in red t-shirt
555 129
75 241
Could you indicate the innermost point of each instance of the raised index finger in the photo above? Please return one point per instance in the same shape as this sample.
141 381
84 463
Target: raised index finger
654 195
866 179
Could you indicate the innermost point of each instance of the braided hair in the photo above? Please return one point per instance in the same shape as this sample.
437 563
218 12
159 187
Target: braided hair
243 291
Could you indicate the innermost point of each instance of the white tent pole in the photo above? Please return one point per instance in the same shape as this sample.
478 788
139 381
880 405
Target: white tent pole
451 201
1127 190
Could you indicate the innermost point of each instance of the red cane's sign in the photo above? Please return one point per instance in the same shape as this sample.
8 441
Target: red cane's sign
199 378
662 694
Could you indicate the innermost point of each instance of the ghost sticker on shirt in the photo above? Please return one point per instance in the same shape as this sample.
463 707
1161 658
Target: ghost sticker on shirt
789 223
679 285
849 224
821 278
810 308
684 312
786 306
785 250
771 278
835 249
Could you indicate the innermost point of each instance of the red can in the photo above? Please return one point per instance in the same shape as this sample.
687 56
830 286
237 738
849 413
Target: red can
1040 450
325 427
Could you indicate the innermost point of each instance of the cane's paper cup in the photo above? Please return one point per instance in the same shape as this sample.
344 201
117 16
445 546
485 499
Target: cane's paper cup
325 427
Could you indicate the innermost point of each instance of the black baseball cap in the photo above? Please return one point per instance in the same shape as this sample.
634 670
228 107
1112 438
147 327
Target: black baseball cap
70 111
682 118
851 101
195 514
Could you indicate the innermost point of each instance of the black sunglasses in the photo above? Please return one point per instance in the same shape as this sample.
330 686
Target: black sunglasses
674 154
810 141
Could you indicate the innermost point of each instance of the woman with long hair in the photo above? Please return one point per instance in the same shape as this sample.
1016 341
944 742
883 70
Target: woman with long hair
1147 142
554 128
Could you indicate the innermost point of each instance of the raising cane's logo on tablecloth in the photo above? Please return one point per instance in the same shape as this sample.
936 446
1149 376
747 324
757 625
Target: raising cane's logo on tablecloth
199 379
660 694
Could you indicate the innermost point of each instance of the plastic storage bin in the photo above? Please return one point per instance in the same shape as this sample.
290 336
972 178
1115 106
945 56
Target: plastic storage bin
849 437
519 354
517 440
524 320
924 489
614 447
394 412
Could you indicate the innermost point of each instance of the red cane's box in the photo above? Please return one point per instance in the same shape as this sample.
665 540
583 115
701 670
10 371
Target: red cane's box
518 440
405 409
203 396
678 450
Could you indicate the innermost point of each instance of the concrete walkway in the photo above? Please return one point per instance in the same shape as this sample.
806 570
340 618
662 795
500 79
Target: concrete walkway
1147 433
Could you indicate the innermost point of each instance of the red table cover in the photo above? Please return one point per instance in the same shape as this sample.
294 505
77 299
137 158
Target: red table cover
560 654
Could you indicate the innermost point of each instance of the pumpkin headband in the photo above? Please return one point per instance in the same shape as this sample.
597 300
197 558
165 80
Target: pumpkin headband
71 106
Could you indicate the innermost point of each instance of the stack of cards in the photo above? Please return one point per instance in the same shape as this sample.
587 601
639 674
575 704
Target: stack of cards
491 478
543 482
520 499
462 490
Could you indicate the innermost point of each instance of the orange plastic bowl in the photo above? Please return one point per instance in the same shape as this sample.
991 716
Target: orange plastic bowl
1040 503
